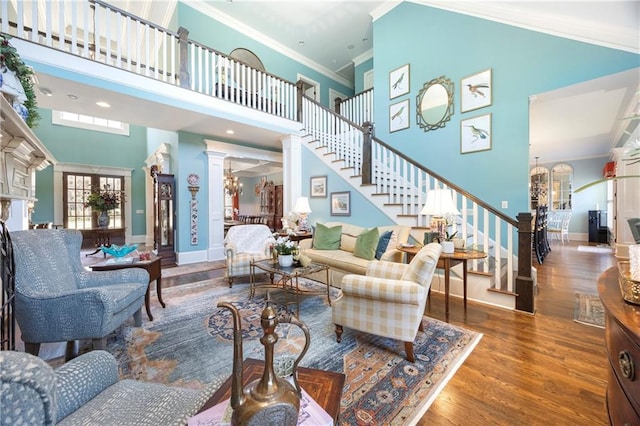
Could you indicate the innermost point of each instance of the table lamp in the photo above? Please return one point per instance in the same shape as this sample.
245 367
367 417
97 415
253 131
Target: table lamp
439 205
302 209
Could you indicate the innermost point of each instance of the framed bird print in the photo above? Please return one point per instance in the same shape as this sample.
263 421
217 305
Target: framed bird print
399 82
475 134
399 116
475 91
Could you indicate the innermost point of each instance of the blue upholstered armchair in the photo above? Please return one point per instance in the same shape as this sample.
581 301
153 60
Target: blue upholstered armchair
57 300
87 391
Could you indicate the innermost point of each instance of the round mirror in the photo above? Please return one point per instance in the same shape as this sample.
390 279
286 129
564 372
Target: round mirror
434 104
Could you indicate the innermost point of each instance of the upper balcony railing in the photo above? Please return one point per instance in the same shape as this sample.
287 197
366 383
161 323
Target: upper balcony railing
103 33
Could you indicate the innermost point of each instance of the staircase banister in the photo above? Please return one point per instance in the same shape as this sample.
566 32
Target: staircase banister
356 95
450 184
134 17
357 126
210 49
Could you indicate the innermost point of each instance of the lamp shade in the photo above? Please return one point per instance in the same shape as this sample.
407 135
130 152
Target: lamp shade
439 203
302 205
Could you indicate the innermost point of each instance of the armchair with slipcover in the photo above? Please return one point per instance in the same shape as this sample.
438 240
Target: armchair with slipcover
388 301
87 391
243 243
57 300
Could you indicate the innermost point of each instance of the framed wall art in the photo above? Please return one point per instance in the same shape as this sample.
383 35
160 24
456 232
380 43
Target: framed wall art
318 187
476 91
399 116
341 203
399 82
475 134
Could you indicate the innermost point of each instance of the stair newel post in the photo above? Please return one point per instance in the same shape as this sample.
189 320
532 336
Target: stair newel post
184 78
299 93
365 168
524 281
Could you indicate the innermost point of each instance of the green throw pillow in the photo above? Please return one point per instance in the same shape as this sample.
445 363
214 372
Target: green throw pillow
326 238
366 244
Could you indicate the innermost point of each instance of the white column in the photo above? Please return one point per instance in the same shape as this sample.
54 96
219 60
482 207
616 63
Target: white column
215 213
291 170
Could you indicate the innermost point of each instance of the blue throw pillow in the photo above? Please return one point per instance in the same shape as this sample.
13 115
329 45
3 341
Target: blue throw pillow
383 242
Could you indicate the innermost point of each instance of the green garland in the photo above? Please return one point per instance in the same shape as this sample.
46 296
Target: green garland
9 57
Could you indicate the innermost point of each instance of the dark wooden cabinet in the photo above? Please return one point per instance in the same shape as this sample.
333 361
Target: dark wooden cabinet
622 338
271 205
164 216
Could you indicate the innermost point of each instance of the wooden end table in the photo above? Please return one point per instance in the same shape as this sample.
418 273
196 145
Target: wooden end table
152 266
446 262
325 387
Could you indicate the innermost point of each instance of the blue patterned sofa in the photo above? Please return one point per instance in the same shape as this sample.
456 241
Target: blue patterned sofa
57 300
86 391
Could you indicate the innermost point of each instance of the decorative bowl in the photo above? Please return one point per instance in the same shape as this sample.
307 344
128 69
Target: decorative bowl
118 251
629 287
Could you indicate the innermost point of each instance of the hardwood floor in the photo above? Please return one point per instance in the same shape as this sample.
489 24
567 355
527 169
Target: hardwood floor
542 369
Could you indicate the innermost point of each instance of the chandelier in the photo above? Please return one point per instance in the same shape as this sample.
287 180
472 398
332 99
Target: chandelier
231 184
538 188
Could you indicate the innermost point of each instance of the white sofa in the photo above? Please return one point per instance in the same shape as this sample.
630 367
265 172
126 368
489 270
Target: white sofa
342 261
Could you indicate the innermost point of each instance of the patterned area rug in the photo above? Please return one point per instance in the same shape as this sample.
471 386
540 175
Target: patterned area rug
589 310
190 344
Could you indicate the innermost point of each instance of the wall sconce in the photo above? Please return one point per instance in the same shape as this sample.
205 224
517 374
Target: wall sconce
193 180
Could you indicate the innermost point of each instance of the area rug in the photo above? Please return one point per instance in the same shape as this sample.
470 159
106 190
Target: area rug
595 249
588 310
190 344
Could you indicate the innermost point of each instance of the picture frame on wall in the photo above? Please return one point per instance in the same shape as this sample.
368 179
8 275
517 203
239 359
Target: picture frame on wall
341 203
476 91
475 134
318 187
399 82
399 116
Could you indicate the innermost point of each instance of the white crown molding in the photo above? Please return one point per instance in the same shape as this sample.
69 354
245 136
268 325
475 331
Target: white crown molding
541 21
363 57
383 9
215 13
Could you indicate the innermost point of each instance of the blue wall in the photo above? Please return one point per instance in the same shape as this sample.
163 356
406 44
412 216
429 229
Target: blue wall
358 73
79 146
435 43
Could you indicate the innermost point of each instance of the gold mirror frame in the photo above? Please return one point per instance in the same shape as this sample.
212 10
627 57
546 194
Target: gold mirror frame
434 103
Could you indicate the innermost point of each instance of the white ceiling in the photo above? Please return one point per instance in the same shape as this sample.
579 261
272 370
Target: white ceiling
577 122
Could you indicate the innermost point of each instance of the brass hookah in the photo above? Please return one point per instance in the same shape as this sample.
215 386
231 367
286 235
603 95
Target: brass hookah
270 400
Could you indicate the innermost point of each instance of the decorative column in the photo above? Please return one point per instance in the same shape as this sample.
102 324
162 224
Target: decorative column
291 170
215 218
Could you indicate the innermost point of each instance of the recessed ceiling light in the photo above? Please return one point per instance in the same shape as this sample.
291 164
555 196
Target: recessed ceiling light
46 91
351 46
364 40
301 43
103 104
230 132
72 97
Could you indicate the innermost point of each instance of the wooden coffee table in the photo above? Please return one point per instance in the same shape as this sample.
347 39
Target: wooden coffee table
325 387
152 266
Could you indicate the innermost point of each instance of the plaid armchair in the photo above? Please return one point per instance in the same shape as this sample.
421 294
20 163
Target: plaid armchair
243 243
389 300
57 300
86 391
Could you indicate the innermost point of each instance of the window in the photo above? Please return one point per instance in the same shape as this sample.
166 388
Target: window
88 122
561 186
76 189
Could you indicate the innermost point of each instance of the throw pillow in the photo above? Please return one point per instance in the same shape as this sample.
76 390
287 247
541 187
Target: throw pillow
366 244
393 242
383 243
348 242
326 238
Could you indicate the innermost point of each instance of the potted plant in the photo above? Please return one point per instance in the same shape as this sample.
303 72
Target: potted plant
102 201
285 250
448 245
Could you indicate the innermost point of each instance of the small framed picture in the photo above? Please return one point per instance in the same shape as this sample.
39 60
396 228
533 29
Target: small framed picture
341 203
399 116
399 82
318 187
475 134
475 91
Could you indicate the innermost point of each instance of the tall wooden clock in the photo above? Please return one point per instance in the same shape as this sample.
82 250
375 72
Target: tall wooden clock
164 218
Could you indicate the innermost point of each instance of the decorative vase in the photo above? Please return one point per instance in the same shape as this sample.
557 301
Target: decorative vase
285 260
103 220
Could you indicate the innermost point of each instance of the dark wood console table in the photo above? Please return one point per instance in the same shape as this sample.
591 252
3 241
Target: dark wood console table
622 338
97 237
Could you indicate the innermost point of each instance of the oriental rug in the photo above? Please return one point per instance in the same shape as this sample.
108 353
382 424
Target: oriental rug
588 310
190 344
